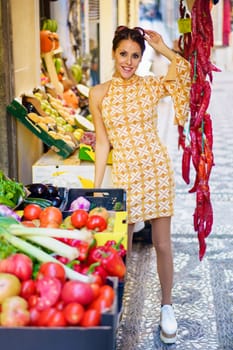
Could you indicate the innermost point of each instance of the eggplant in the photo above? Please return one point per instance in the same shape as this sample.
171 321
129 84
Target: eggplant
38 190
52 191
56 201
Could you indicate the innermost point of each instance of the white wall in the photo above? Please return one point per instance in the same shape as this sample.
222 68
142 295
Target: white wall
26 55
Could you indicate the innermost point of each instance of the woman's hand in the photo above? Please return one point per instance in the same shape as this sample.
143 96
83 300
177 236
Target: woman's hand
155 40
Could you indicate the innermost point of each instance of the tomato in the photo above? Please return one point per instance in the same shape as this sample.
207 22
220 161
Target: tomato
50 224
60 305
100 304
49 290
34 316
79 218
28 288
96 223
9 285
77 291
32 300
96 289
101 211
107 292
51 215
32 212
52 269
14 312
19 265
28 223
73 313
91 318
51 317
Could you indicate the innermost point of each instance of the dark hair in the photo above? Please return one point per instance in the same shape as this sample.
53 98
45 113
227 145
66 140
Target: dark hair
135 34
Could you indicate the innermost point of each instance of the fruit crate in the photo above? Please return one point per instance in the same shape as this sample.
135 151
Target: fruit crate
79 338
114 200
20 112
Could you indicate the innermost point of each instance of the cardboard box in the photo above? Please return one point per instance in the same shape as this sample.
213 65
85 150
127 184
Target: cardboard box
69 172
78 338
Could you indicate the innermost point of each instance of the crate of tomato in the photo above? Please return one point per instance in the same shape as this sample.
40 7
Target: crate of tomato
106 208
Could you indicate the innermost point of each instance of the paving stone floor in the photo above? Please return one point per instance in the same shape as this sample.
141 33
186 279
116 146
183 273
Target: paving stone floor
203 291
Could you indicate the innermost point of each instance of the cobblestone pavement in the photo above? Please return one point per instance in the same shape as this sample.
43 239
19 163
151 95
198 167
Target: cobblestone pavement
203 291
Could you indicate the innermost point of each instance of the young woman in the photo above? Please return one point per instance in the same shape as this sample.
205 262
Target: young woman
125 117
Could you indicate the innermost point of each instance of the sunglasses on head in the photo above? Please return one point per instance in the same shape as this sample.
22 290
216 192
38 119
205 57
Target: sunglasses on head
138 29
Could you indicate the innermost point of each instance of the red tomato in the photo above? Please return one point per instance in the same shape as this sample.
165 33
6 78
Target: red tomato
51 215
49 290
77 291
32 212
91 318
73 313
52 269
28 288
100 304
79 218
107 292
60 305
19 265
50 224
57 319
51 317
32 300
96 223
96 289
34 316
28 223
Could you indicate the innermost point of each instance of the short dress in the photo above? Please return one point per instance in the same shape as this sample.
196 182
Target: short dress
140 162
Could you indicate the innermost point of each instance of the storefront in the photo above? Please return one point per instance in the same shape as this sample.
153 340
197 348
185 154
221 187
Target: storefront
92 44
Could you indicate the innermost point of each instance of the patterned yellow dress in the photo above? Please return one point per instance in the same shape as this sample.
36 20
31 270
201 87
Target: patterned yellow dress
141 164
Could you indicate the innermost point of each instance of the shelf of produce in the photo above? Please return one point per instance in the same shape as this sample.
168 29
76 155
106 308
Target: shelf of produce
69 172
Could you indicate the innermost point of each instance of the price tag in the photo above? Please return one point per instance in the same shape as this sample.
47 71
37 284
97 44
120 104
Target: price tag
184 25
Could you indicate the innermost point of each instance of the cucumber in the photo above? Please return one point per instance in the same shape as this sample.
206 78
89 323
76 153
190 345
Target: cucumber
42 202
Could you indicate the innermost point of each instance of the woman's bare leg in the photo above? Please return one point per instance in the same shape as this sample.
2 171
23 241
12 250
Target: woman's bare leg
161 237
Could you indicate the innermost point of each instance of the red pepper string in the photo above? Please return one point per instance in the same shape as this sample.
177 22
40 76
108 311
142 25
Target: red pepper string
195 67
197 50
202 136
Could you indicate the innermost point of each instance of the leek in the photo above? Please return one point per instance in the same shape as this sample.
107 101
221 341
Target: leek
56 246
8 235
19 229
42 256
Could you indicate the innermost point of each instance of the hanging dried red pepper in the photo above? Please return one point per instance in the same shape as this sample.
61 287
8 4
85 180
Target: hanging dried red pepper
196 47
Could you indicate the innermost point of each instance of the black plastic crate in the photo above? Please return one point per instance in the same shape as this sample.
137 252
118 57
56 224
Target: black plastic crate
144 235
111 199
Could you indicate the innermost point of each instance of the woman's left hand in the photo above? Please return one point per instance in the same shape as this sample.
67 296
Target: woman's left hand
155 40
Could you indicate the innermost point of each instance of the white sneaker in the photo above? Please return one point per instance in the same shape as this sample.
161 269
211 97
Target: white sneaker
138 226
168 325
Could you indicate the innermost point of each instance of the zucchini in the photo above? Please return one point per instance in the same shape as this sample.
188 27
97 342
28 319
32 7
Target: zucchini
42 202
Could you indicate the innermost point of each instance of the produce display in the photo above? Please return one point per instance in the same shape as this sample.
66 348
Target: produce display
197 140
52 271
11 192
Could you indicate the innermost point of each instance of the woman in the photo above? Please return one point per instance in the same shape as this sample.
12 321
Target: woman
124 114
